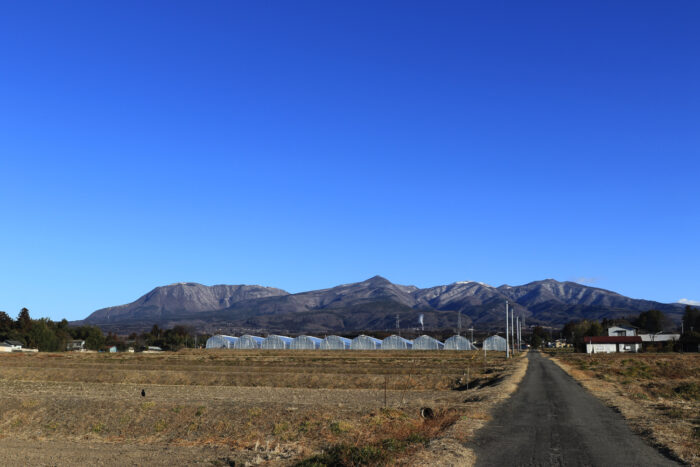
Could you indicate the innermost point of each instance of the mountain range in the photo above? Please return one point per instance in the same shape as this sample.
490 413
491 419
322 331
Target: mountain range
373 304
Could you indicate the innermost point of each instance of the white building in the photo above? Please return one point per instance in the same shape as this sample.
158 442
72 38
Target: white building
612 344
660 337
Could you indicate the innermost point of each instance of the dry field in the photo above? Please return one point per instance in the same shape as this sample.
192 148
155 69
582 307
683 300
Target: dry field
248 407
659 394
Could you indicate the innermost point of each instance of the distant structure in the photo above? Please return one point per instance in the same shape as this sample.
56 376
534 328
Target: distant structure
496 343
612 344
248 341
335 343
306 343
396 343
221 341
75 345
275 342
363 342
427 343
458 343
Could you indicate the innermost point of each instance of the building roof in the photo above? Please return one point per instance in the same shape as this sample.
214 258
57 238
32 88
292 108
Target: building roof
14 343
612 340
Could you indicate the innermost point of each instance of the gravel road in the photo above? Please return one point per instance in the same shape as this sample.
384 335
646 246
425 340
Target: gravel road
551 420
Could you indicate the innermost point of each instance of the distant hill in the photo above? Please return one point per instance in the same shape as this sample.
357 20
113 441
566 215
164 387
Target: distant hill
369 305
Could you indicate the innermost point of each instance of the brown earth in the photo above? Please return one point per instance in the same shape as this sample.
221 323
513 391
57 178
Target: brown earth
658 394
248 407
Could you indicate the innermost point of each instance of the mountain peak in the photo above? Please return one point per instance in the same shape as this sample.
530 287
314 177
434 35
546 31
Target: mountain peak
377 281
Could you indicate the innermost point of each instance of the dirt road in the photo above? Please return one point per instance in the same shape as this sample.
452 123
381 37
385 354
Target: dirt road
551 420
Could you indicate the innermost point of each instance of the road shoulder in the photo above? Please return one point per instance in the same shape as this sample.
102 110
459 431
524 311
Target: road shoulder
449 449
644 417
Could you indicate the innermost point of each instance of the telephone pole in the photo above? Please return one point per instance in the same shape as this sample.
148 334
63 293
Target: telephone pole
507 347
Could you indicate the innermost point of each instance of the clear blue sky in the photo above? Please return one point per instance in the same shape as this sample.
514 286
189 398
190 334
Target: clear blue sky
305 144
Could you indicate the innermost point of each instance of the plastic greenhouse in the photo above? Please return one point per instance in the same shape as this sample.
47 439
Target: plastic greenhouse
274 342
396 343
458 343
306 343
248 342
363 342
335 343
220 341
427 343
495 343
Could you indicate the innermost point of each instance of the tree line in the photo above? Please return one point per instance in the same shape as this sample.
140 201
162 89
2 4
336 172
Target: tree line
51 336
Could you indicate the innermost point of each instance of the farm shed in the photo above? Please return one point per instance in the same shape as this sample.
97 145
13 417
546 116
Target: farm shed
660 337
458 343
221 341
335 343
396 343
612 344
248 342
495 343
275 342
427 343
306 343
363 342
4 347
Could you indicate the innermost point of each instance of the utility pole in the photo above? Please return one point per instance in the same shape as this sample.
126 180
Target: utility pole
517 331
459 322
472 333
512 328
398 329
507 347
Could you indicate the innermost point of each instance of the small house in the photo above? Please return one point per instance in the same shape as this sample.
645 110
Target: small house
612 344
15 346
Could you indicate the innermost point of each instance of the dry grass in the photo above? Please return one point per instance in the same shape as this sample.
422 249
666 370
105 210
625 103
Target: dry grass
659 394
262 406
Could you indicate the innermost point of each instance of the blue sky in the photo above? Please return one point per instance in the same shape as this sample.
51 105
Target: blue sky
305 144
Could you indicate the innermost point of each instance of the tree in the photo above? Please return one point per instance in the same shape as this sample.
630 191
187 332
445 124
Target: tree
575 331
6 325
24 321
691 320
653 321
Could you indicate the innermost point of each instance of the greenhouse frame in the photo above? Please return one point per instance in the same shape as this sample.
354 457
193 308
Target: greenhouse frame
363 342
306 343
395 342
335 343
459 343
248 341
495 342
221 341
275 342
427 343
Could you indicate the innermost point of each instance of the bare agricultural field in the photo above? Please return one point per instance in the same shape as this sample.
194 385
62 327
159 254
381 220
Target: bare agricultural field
247 407
659 394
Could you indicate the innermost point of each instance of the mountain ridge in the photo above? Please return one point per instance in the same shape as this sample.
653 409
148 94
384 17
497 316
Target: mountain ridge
370 304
